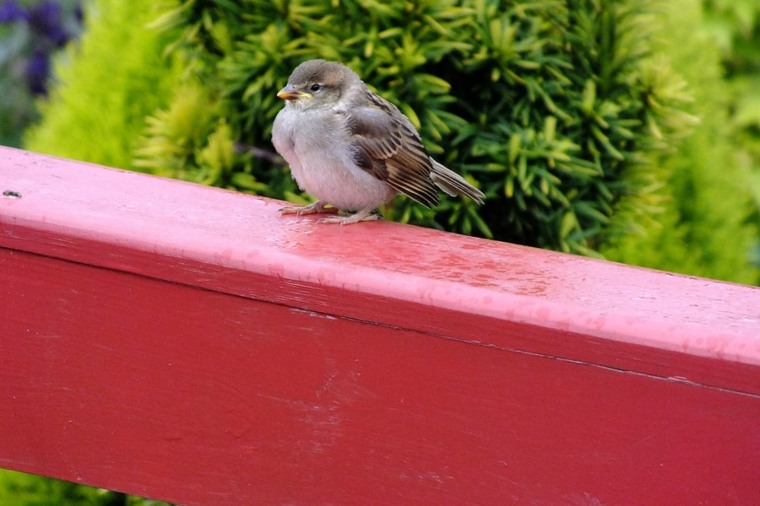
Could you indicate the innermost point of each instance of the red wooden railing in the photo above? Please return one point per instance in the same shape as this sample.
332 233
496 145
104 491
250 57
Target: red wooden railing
189 344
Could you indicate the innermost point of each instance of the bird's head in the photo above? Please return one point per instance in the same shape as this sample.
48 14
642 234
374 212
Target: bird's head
318 83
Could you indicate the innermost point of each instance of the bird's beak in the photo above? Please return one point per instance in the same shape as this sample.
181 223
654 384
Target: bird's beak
288 93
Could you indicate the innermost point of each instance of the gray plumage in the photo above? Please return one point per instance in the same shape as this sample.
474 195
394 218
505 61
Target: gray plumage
353 149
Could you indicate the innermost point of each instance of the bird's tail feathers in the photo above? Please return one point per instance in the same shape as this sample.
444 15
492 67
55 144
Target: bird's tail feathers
454 184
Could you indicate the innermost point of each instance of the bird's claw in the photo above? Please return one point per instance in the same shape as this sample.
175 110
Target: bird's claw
319 207
315 208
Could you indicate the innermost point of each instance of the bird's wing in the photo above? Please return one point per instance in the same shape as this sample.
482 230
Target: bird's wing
388 146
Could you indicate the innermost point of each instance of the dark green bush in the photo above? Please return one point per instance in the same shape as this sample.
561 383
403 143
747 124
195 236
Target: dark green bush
546 103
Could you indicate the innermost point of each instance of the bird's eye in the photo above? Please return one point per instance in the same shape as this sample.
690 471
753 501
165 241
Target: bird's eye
315 87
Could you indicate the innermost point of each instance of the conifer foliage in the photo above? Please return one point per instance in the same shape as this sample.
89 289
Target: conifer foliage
546 103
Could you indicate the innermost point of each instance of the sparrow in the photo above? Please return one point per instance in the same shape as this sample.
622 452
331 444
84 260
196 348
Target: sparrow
352 149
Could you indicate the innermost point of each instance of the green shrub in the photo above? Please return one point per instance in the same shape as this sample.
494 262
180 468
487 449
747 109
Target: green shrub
736 27
108 83
20 489
708 222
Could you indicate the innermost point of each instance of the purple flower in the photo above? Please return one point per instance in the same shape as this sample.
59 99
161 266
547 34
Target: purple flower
46 18
37 71
11 10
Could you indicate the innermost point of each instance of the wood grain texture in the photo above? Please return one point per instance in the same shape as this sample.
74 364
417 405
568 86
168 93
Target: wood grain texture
189 344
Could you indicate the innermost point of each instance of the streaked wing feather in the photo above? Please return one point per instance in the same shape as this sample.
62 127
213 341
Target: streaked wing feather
389 148
454 184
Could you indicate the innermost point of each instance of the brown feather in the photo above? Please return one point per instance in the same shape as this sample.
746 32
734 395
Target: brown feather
388 146
454 184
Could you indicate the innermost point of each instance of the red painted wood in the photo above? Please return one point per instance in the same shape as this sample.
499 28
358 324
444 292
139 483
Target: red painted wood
189 344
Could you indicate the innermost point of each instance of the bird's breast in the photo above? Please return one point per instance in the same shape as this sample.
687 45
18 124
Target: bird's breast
319 149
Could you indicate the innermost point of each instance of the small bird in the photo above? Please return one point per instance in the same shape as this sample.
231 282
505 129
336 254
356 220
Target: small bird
352 149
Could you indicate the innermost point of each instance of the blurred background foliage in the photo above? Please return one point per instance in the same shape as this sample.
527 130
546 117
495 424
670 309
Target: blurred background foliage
106 85
708 218
19 489
624 129
30 33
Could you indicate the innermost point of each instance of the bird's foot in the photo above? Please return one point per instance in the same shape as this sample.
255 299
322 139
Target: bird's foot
315 208
363 215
